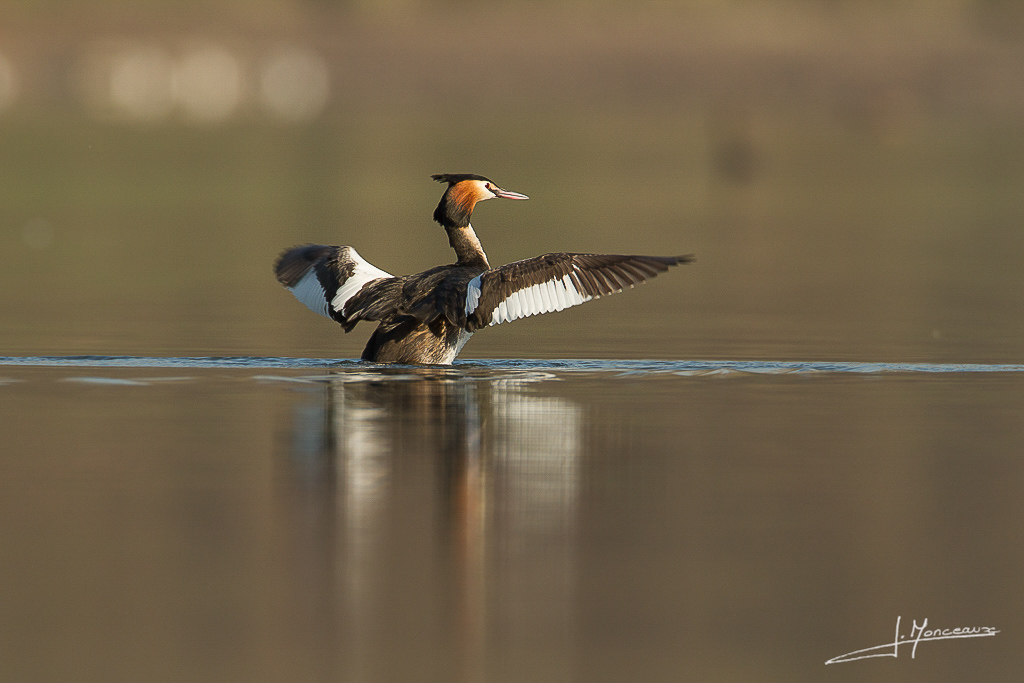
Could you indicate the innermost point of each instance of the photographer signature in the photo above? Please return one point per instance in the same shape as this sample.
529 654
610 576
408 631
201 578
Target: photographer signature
918 634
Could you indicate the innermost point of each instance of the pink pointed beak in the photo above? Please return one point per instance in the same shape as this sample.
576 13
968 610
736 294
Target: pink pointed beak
508 194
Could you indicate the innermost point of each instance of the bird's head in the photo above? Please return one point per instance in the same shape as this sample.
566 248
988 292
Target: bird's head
462 194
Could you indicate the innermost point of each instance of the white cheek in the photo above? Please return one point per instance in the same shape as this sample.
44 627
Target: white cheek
484 194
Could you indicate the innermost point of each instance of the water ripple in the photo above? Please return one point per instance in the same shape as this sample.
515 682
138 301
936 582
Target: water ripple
626 368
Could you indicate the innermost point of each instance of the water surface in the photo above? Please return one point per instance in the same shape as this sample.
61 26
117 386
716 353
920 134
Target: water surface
269 518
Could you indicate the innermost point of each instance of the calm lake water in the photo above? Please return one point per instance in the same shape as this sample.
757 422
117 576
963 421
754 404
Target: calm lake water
278 519
742 470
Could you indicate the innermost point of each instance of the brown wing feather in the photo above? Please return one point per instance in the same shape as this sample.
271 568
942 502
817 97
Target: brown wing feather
590 275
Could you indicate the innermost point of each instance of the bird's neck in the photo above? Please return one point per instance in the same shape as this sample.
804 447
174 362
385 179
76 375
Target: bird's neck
467 246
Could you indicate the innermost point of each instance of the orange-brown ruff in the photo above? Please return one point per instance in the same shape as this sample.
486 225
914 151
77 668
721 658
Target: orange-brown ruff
428 317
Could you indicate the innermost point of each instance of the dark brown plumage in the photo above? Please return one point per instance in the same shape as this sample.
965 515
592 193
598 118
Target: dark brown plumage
428 317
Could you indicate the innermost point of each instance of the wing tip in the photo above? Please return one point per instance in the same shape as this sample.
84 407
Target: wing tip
292 264
680 260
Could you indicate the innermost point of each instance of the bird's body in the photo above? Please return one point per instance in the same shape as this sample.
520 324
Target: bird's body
428 317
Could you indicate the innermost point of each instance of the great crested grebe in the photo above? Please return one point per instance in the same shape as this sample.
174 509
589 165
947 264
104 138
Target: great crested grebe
428 317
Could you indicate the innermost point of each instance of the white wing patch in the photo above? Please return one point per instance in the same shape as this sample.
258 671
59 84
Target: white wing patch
553 295
363 273
309 291
472 294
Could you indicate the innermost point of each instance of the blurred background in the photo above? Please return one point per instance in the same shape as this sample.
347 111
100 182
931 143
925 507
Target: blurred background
848 173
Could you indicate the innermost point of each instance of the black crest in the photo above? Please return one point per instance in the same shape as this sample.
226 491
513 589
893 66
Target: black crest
452 178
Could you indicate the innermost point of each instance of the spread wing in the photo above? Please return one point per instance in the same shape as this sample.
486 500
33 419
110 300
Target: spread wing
555 281
338 283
